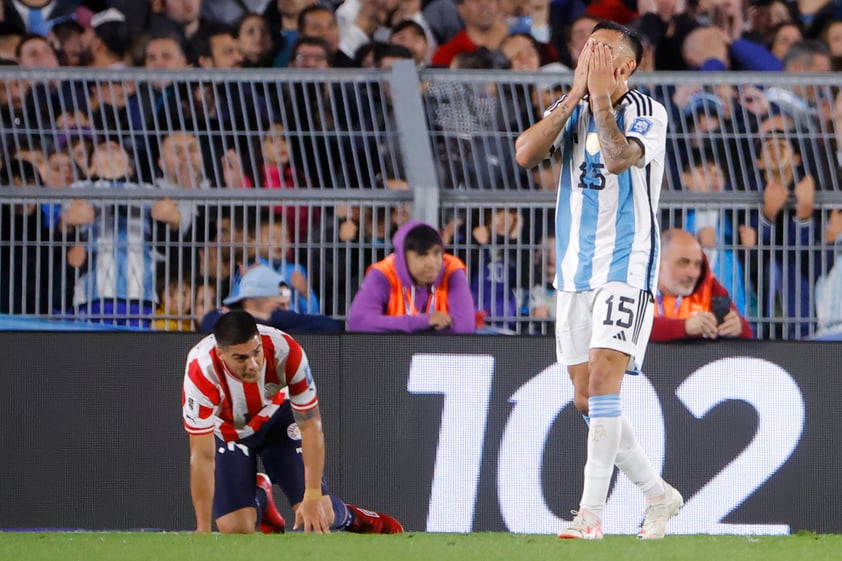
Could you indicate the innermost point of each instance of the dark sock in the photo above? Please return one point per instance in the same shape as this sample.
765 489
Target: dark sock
260 504
342 515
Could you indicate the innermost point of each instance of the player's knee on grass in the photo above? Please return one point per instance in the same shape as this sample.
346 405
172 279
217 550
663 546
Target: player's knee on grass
241 521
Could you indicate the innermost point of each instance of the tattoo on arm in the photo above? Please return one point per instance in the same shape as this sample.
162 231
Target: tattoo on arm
558 118
616 148
307 415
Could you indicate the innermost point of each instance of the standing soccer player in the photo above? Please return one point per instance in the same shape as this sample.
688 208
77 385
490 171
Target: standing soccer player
248 392
612 141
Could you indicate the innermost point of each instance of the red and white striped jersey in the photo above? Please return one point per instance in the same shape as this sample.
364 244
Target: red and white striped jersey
214 400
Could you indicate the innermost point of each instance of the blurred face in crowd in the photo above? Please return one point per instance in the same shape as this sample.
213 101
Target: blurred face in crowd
424 267
253 38
681 265
291 8
416 42
181 159
225 53
178 298
275 147
479 14
245 361
833 38
705 177
580 32
12 93
273 241
110 161
164 54
309 56
59 170
784 38
205 300
322 23
521 52
777 155
183 11
37 52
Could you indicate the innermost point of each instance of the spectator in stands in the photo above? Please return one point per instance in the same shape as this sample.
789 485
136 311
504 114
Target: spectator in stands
363 21
467 116
832 37
782 37
312 150
787 239
108 45
720 232
68 39
162 51
319 21
690 302
493 262
274 250
204 302
282 16
278 173
34 263
184 15
417 288
580 31
10 36
263 293
542 294
116 277
37 16
34 50
410 34
231 108
175 301
254 41
13 94
483 28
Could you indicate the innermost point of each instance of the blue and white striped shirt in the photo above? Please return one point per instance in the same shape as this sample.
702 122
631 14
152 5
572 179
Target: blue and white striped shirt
606 224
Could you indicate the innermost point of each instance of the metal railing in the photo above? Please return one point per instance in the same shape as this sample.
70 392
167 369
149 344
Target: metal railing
185 175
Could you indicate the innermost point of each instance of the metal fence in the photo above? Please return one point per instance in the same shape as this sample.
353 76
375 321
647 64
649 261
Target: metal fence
148 192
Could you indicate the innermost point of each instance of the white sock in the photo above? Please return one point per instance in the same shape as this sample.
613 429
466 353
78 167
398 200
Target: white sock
632 460
604 434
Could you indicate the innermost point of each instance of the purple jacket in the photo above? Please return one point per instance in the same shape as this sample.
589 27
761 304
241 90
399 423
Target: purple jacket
368 310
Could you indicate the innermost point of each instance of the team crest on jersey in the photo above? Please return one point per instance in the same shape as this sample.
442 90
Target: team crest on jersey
641 126
293 432
270 390
592 143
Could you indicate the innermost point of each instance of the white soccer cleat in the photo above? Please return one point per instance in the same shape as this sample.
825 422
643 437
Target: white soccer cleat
659 512
585 526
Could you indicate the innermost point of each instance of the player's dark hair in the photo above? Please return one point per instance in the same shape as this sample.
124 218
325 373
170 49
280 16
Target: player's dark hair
421 239
234 328
631 38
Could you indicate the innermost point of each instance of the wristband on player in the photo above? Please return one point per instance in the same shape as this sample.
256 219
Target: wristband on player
310 494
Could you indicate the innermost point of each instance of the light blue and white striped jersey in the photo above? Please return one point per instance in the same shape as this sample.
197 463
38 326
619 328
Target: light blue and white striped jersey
606 224
121 258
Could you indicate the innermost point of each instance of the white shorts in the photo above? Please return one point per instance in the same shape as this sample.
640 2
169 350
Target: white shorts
615 316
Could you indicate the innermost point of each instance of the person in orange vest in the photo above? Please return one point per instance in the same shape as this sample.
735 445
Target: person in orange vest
418 287
690 302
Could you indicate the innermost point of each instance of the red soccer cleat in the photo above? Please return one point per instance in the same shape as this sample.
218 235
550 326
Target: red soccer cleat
370 522
271 522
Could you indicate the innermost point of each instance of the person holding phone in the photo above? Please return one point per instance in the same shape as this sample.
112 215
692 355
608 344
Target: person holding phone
690 302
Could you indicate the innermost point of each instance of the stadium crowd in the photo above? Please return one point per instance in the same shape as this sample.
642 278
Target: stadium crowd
175 260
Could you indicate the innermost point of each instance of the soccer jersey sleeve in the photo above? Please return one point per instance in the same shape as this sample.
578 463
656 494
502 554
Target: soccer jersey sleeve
645 120
299 378
199 400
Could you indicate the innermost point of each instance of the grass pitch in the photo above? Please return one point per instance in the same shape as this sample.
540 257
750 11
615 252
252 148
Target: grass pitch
140 546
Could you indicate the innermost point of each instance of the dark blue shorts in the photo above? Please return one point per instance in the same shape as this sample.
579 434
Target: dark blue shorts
278 444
